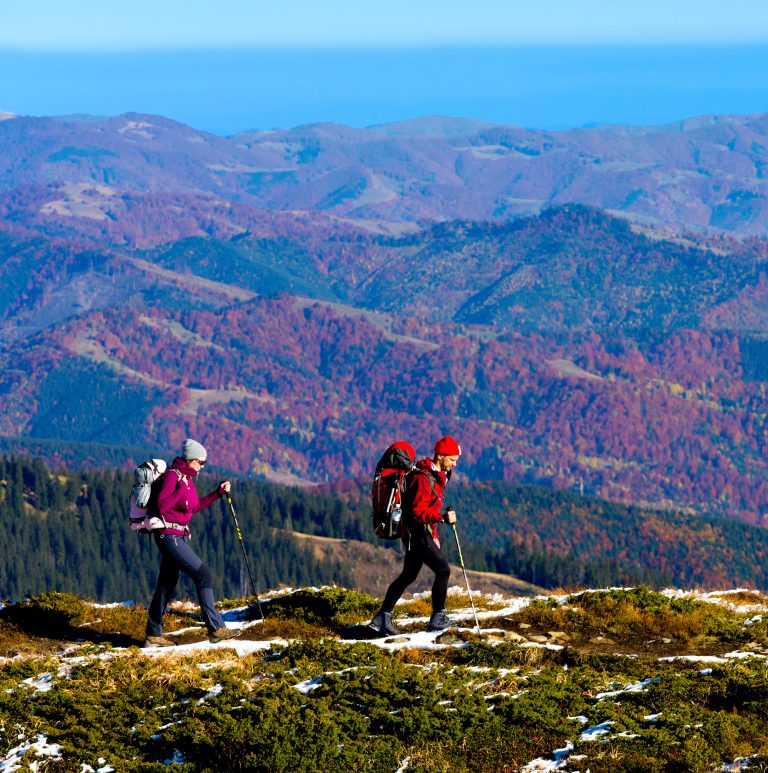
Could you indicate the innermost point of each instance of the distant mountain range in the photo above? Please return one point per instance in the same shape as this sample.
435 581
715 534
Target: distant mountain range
299 299
706 174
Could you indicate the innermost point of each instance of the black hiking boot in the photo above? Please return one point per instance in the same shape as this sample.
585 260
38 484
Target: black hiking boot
439 621
382 622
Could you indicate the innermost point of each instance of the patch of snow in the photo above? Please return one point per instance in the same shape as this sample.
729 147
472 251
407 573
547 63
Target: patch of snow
214 692
188 629
739 655
308 685
420 640
103 767
111 605
20 756
720 597
740 763
39 683
558 761
594 733
541 645
167 725
637 687
404 765
242 647
735 655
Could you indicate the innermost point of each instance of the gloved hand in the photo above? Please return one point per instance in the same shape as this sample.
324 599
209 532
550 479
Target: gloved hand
449 516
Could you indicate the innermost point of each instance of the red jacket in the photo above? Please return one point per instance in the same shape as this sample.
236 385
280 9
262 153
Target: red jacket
177 499
424 495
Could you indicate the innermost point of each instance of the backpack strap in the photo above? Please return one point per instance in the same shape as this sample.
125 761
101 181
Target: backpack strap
430 478
408 510
181 475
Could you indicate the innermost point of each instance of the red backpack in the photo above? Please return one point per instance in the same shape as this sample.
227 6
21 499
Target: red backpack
387 490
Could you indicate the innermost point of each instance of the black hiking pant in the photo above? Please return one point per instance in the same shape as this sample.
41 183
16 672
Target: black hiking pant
178 556
421 550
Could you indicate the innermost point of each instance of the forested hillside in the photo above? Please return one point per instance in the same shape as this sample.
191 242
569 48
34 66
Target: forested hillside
562 350
253 292
68 531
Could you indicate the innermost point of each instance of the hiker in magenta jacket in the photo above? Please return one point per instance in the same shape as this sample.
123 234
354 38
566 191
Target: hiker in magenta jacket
422 511
177 502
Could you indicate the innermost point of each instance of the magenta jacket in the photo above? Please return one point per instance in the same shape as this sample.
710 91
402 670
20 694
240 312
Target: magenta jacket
177 500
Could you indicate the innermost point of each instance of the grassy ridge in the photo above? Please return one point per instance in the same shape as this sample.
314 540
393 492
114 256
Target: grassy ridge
310 701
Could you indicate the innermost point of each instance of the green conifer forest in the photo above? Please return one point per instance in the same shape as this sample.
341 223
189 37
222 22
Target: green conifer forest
68 531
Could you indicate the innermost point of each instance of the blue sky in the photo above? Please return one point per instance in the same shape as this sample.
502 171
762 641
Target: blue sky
79 25
239 64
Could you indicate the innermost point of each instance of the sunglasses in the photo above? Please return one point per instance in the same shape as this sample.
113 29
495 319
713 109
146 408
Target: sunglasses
201 462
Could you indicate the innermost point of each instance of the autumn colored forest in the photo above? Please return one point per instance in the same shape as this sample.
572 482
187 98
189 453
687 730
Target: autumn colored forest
149 294
654 394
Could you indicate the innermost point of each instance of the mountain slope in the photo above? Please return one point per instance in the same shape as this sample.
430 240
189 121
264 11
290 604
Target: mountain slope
703 174
570 268
635 364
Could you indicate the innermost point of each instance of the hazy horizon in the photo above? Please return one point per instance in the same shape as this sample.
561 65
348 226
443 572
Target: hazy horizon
538 87
248 64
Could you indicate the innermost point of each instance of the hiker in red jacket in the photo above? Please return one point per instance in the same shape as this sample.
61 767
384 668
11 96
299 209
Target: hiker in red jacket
422 511
177 501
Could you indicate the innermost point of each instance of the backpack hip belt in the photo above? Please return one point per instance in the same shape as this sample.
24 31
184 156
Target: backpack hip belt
172 525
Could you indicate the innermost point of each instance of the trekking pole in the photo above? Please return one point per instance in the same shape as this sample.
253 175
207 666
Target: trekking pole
466 580
245 555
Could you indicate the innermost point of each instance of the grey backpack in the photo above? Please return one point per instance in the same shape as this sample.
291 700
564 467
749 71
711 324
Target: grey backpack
143 478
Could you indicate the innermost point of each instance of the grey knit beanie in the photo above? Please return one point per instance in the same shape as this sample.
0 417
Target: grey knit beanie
191 449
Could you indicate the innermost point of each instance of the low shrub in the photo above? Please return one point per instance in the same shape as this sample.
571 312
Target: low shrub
323 704
334 608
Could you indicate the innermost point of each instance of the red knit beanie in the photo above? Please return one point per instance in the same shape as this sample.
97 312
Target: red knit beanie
447 446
